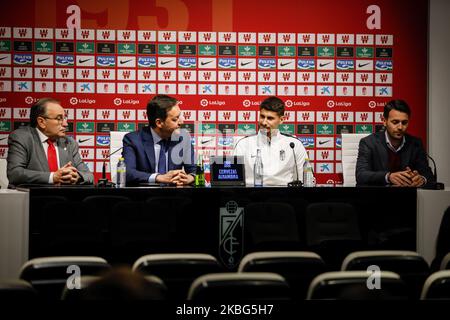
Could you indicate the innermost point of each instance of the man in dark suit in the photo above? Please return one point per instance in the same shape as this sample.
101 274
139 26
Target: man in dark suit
161 152
393 157
41 153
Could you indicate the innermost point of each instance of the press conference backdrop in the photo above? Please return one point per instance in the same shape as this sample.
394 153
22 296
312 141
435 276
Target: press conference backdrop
334 63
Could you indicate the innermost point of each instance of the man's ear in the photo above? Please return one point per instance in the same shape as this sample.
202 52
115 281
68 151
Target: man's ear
158 122
40 122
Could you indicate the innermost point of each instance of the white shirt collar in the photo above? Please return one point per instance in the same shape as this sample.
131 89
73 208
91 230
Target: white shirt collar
262 136
42 137
390 146
156 137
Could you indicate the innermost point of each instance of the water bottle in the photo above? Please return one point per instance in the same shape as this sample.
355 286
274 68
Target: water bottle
121 173
258 171
308 175
200 173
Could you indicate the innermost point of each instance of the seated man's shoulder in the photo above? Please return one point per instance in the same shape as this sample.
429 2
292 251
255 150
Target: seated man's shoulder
289 137
246 139
133 134
22 133
373 136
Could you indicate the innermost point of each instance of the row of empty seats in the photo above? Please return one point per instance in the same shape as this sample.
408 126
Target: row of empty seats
332 229
261 276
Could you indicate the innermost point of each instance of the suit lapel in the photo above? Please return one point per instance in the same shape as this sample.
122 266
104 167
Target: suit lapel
405 154
38 148
149 148
63 152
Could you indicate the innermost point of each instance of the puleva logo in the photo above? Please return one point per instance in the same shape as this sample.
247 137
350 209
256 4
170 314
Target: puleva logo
106 61
266 63
306 64
103 141
383 65
345 64
187 62
147 62
64 60
308 142
227 63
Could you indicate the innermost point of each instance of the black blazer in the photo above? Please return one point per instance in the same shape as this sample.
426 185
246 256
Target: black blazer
372 163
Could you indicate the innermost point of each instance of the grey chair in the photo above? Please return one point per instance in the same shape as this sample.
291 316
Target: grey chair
177 270
297 267
49 275
437 286
412 268
353 285
445 263
223 287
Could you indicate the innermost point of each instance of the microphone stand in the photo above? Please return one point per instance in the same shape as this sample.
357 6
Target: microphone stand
296 183
435 185
104 182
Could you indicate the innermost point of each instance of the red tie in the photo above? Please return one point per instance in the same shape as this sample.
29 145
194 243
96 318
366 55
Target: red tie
51 157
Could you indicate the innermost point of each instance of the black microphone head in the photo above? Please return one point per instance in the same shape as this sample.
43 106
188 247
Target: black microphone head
292 145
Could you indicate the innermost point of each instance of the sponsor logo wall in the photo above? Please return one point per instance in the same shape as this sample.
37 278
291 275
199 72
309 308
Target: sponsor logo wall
332 83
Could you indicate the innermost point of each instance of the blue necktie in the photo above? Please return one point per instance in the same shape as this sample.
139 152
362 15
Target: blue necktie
162 169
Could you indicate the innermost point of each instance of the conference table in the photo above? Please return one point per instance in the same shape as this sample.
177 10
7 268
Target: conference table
189 219
208 220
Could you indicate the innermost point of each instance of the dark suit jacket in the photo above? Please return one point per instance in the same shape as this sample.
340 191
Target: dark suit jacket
139 154
27 163
372 163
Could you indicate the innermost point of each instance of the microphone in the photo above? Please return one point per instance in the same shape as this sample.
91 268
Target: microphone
434 185
296 183
104 182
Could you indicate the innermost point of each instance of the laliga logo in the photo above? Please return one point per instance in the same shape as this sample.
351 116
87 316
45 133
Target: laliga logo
117 101
204 102
288 103
29 100
330 104
73 101
246 103
372 104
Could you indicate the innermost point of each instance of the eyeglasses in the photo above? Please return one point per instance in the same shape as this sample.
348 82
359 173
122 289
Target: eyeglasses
58 118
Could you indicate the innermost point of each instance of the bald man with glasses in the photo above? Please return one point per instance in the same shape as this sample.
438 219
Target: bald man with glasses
41 153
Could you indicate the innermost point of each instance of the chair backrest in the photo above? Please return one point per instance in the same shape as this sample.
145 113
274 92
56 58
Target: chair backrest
270 224
437 286
115 144
218 287
412 268
353 285
3 176
445 263
331 221
49 275
177 270
350 146
297 267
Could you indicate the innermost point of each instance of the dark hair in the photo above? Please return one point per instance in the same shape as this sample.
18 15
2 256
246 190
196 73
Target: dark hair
158 107
273 104
39 109
121 283
398 105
